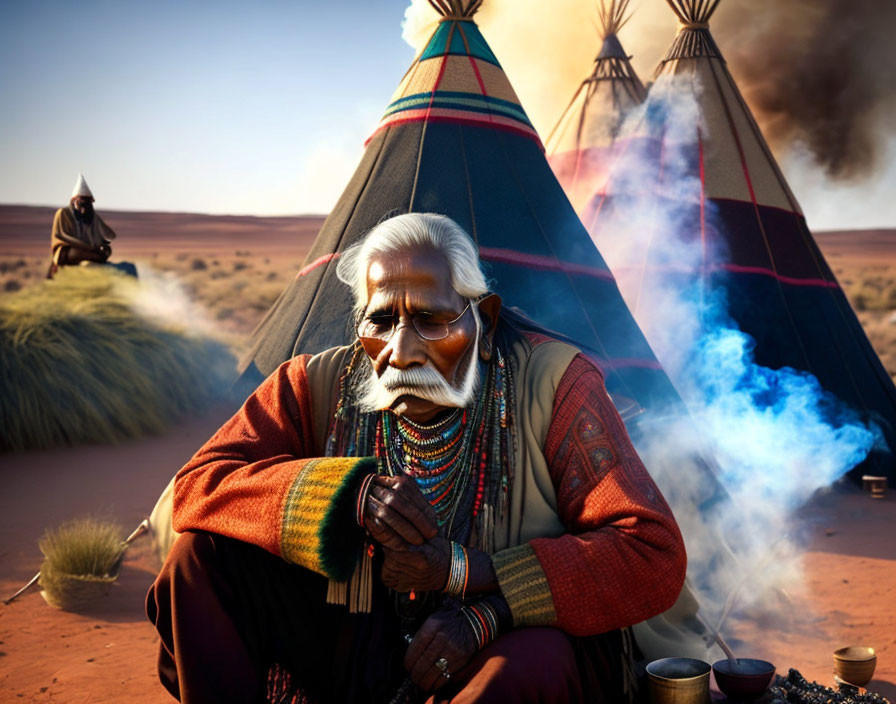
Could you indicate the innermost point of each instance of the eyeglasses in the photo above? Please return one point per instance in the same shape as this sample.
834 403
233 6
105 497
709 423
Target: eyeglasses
381 326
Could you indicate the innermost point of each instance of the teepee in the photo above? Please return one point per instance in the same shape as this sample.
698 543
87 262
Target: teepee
582 145
455 140
779 288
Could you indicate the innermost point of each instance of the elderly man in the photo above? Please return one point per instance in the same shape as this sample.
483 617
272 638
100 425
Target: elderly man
79 233
448 508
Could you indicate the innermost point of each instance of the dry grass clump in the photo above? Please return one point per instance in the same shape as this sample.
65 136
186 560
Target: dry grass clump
78 364
81 560
84 546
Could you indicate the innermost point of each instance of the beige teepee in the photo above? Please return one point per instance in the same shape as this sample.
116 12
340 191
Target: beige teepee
581 145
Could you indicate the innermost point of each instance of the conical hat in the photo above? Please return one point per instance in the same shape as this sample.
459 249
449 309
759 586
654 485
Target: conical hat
81 188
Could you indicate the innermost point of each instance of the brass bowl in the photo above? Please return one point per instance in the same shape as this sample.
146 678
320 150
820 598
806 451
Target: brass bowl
855 664
745 680
678 681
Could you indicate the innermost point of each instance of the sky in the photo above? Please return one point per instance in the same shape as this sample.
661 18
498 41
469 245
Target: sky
228 108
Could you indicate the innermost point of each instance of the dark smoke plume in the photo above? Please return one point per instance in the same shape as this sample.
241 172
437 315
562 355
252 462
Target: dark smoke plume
820 74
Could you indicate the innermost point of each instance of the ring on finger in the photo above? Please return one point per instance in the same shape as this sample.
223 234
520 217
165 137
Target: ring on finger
442 665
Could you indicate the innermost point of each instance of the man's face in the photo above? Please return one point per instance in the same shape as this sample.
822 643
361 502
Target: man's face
412 283
84 204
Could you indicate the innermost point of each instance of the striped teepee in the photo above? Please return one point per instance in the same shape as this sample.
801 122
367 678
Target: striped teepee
455 140
582 145
755 241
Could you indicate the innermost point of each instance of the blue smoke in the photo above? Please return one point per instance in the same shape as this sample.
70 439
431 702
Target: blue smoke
777 436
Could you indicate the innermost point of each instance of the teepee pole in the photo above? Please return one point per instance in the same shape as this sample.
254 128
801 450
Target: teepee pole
678 12
24 589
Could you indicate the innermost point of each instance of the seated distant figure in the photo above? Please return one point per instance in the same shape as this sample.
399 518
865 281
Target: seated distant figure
79 233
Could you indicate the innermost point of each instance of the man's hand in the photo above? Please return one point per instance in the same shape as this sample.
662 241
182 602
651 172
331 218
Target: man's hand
424 568
397 515
446 634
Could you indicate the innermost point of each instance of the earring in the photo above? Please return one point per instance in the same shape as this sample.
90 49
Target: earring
485 350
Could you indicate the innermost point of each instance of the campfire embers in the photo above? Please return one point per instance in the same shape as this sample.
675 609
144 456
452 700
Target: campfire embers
794 689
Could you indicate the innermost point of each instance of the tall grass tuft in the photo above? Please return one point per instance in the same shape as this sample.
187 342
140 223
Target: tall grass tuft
84 546
81 561
78 364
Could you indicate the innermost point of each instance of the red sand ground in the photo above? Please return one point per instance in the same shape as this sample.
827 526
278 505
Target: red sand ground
848 596
108 655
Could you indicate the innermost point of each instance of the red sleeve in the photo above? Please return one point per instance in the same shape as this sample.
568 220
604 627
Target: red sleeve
256 480
623 559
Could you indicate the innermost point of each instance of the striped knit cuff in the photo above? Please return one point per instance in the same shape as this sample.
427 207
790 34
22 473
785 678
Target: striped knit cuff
525 586
319 530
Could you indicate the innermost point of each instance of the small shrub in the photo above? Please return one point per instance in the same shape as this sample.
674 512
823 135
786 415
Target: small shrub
12 285
198 264
84 546
81 560
239 266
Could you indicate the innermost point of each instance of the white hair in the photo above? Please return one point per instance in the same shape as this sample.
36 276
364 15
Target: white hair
413 230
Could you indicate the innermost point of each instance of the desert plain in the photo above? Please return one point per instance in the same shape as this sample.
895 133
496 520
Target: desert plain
233 268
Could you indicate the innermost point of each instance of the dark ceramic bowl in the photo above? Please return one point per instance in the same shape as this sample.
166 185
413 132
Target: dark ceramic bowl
745 681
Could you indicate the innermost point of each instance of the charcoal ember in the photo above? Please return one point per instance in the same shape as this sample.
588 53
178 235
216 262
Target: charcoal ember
795 689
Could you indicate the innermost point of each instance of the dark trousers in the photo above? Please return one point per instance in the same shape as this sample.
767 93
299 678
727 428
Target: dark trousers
238 624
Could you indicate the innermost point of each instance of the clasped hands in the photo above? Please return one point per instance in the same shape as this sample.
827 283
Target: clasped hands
416 556
400 519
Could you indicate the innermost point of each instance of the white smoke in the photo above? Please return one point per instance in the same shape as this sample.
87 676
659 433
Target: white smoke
161 297
777 436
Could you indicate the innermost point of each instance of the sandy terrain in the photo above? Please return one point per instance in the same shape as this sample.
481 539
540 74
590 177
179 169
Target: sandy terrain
848 595
108 654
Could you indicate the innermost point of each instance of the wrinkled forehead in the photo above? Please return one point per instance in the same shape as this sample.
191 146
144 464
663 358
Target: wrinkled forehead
420 274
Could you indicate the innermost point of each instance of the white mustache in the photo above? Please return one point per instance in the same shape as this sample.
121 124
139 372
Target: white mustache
425 382
408 380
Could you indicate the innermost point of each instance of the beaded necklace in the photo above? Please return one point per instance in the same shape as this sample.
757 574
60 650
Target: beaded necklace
463 463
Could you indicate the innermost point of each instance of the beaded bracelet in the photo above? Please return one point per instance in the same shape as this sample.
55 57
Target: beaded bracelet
362 498
458 571
483 620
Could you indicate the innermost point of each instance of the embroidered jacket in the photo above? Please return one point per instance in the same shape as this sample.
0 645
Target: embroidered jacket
590 544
